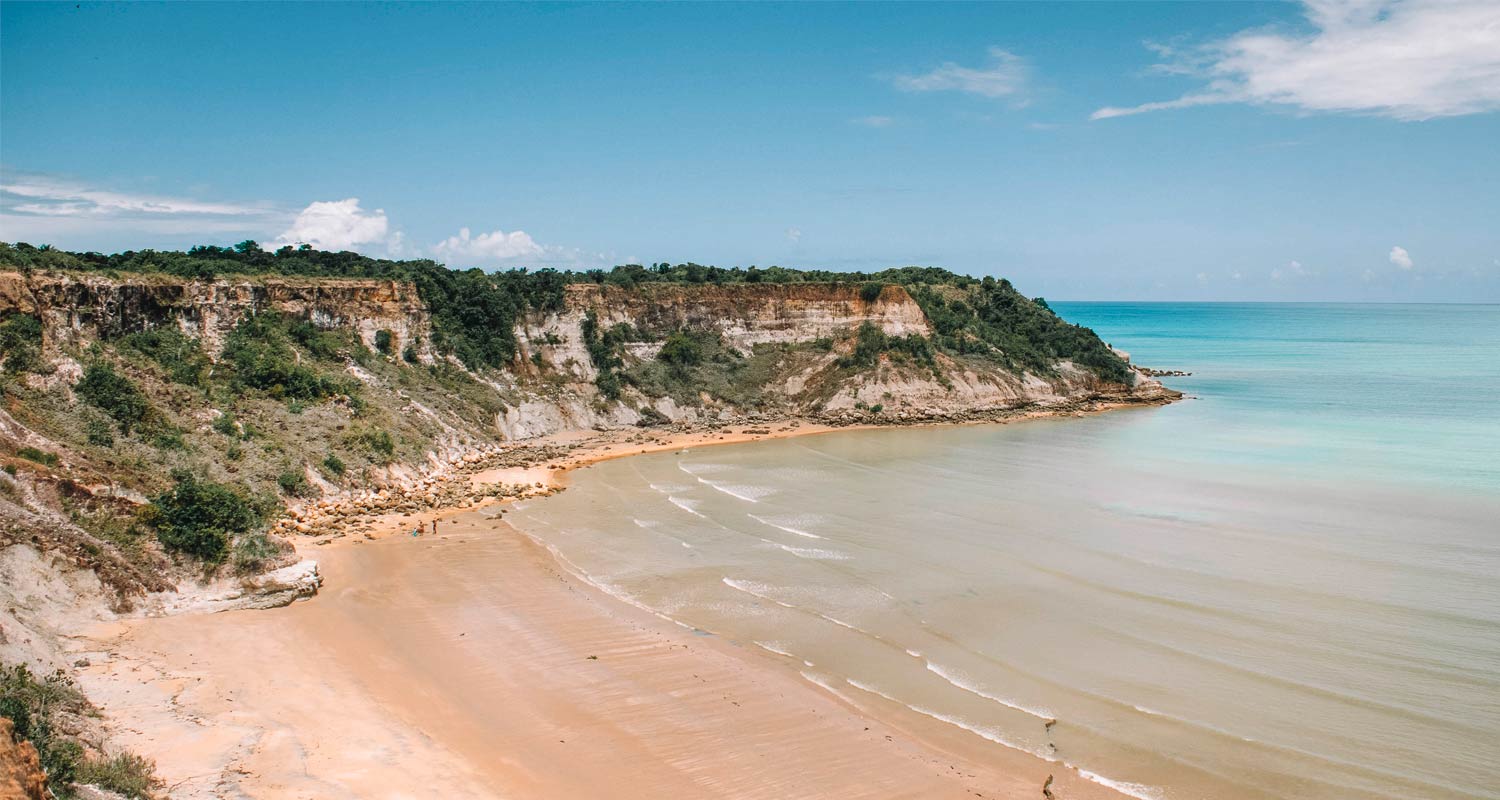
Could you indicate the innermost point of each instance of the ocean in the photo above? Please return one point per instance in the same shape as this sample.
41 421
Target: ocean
1285 586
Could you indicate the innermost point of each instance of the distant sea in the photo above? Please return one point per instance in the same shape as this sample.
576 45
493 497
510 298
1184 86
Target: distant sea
1286 586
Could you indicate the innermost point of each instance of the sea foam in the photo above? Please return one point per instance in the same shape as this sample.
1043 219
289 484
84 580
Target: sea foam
964 683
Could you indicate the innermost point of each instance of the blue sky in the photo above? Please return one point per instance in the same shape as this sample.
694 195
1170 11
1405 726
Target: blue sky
1337 150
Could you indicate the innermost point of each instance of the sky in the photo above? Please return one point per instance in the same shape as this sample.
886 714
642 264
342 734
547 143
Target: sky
1344 150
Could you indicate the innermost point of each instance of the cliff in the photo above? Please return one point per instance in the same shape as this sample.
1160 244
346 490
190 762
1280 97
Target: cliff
76 309
292 388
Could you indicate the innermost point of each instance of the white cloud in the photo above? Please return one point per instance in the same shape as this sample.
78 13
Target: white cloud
794 234
1400 257
489 248
1005 76
873 121
337 225
1403 59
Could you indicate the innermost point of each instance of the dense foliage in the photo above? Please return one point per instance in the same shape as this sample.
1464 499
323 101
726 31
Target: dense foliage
20 343
870 342
260 350
180 355
474 312
114 394
200 517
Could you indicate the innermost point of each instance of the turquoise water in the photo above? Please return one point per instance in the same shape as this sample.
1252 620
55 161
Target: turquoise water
1285 587
1391 393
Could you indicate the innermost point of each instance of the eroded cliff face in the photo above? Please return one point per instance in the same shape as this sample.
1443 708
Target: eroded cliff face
76 309
551 385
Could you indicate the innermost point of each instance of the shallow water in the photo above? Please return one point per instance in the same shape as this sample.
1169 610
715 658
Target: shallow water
1285 587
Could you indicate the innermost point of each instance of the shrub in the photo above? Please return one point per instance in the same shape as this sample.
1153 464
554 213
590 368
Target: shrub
409 355
294 483
99 433
681 350
21 344
378 442
869 343
252 550
33 454
870 292
199 517
602 350
385 342
114 394
334 466
168 438
126 773
181 356
262 356
225 423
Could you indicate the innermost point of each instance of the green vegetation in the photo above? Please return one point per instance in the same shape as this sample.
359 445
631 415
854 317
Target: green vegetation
870 342
694 363
99 433
35 705
114 394
334 466
681 351
200 517
33 454
385 342
181 356
38 706
474 313
991 319
252 550
378 442
20 344
260 350
126 773
604 355
294 484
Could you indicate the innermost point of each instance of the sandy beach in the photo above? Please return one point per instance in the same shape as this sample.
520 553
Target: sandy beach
472 664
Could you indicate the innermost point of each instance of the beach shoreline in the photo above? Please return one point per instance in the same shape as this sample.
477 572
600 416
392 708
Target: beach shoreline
423 672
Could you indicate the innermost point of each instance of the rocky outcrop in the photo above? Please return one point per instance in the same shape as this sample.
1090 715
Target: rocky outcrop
273 589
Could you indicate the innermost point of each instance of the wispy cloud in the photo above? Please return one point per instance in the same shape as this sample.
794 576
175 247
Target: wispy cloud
1403 59
1004 76
873 121
46 207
